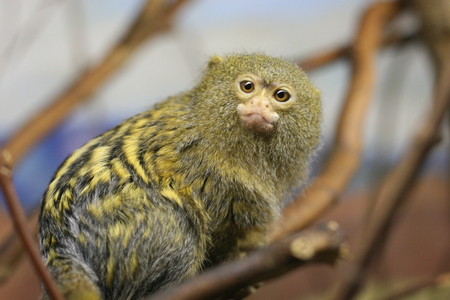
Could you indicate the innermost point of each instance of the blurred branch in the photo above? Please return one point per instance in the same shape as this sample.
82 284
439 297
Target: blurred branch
345 158
154 17
435 17
320 244
325 58
345 52
20 222
391 195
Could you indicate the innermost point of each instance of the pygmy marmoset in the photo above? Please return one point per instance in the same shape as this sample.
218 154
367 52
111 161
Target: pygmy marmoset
196 180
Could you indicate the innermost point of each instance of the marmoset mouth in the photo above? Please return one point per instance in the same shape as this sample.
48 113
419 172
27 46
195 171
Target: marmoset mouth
257 122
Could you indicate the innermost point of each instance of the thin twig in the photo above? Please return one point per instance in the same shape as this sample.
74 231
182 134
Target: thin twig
325 58
346 154
346 52
320 244
20 222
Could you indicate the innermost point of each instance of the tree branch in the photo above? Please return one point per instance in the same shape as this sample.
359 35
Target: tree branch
346 52
391 194
320 244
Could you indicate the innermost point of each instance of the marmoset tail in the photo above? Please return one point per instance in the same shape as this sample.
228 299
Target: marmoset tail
197 180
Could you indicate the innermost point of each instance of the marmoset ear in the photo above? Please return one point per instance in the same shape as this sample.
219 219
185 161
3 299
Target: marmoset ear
216 59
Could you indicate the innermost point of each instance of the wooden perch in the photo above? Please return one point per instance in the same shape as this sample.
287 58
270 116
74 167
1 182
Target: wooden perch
320 244
347 150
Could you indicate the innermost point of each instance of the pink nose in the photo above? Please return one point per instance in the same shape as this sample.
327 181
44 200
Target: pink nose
257 114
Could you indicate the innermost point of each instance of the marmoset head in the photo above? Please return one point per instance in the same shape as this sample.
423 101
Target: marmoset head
265 94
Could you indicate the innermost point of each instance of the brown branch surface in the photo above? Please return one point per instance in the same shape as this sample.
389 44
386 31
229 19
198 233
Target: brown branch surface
346 154
435 17
320 244
325 58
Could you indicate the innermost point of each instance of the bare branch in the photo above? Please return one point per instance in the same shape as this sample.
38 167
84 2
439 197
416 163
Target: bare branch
345 52
434 15
391 194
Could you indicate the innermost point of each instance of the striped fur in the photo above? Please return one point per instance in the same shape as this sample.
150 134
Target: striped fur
175 189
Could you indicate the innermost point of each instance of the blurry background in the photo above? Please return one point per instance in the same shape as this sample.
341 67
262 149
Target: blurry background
46 43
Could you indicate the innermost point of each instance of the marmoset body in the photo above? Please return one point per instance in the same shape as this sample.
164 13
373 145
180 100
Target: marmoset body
197 180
